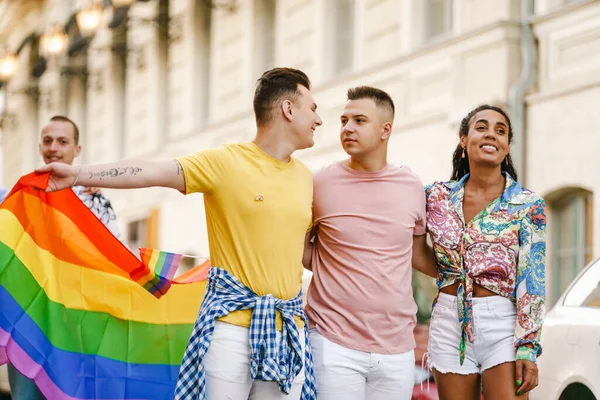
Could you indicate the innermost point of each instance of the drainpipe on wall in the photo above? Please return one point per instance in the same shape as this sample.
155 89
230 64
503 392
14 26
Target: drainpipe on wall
517 92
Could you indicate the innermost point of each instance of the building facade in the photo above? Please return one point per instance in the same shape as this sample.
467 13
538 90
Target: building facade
163 78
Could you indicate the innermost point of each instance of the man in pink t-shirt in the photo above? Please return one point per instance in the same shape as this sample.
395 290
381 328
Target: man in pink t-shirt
360 305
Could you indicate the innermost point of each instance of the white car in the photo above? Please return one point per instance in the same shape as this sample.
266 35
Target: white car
569 367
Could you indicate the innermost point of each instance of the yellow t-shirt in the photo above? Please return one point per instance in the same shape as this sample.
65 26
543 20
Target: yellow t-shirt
258 210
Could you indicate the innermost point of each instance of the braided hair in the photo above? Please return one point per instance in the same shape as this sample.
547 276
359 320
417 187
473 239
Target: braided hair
460 165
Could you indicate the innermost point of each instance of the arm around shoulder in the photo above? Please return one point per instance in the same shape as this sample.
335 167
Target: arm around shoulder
423 259
308 249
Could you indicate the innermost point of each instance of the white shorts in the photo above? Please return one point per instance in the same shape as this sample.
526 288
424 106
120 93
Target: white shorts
343 373
227 367
494 322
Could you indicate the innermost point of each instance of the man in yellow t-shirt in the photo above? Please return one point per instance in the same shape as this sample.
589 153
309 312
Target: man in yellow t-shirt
258 202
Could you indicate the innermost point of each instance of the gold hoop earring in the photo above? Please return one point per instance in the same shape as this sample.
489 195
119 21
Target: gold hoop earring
463 153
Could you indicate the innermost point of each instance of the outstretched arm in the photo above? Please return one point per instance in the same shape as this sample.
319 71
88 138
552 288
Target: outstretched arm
128 174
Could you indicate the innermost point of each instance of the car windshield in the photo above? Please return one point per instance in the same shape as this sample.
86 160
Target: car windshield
586 291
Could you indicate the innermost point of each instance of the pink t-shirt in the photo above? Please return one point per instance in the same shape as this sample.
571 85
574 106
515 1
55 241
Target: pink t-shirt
361 296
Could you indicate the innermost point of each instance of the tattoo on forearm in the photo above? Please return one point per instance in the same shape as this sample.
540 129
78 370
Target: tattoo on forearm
179 169
115 172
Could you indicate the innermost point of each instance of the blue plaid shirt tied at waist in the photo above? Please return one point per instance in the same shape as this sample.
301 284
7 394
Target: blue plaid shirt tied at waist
226 294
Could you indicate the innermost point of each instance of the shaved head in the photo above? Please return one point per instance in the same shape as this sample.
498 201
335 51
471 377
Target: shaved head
383 101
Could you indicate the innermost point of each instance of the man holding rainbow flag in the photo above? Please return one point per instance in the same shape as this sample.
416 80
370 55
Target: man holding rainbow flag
79 312
250 339
60 143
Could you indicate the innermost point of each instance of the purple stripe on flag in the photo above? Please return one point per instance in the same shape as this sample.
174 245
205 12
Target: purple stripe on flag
174 265
21 360
3 356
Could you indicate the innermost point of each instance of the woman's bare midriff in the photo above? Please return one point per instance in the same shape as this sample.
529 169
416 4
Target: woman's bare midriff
478 291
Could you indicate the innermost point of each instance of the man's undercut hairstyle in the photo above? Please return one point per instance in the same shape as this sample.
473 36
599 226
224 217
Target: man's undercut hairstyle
62 118
274 86
381 98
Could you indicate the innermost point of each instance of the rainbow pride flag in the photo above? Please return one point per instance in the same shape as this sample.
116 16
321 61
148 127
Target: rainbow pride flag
162 266
75 312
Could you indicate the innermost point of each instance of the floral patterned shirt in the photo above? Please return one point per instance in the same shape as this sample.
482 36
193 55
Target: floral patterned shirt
503 249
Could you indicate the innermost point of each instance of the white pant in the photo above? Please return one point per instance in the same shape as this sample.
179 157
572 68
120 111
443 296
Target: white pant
347 374
227 367
494 321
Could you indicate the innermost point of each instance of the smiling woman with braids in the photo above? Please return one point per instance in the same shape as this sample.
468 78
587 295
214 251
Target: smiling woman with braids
489 247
